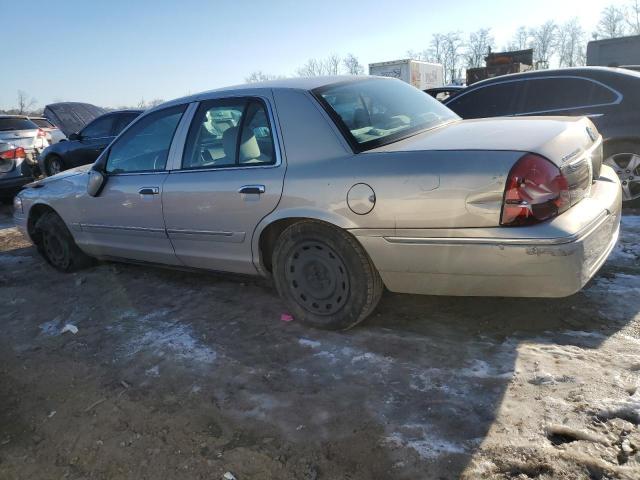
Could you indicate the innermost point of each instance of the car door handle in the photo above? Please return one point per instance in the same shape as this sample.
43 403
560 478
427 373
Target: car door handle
252 189
149 191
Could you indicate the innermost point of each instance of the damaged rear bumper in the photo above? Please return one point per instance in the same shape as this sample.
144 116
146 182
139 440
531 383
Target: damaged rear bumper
553 259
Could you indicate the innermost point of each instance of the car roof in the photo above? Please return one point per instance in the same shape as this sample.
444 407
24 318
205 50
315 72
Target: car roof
15 116
575 71
126 110
297 83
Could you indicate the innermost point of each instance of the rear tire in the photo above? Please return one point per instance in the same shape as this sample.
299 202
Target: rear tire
56 244
324 276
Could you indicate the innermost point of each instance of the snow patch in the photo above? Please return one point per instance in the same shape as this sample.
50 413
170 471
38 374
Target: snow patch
164 337
305 342
426 445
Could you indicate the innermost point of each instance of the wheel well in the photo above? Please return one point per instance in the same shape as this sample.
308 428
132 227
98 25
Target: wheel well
35 213
48 159
610 146
269 236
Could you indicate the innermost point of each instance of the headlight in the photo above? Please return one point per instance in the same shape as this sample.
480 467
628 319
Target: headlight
17 204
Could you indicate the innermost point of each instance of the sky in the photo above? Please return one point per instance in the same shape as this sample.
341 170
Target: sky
115 53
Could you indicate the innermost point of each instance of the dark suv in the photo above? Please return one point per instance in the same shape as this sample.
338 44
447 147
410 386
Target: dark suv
85 147
610 97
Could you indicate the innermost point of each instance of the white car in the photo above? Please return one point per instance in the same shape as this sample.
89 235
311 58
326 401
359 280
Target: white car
53 133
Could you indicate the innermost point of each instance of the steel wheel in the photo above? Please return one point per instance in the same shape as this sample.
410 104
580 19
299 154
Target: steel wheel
55 166
627 166
319 278
55 248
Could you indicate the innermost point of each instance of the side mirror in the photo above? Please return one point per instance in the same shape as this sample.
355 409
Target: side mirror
96 182
75 136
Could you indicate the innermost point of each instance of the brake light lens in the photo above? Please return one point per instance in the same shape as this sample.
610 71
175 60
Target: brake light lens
536 190
13 154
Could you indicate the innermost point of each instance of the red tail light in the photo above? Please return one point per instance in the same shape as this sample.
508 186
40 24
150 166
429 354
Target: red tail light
536 190
13 154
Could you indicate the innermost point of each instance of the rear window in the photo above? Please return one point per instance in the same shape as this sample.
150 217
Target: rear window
43 123
376 112
16 124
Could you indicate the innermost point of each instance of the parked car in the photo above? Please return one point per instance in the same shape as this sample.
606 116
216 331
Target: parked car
444 93
394 190
84 147
19 131
610 97
15 172
53 133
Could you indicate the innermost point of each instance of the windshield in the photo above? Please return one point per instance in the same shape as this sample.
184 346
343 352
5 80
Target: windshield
375 112
16 123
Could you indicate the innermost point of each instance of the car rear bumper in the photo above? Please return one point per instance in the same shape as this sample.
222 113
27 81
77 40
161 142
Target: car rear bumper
554 259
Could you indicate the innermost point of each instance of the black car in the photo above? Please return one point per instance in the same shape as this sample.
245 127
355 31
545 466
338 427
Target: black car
85 146
610 97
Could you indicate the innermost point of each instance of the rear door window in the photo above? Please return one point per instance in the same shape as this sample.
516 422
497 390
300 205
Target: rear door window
549 94
230 133
495 100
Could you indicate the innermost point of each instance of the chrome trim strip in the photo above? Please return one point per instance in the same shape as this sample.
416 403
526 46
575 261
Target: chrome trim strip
87 227
200 232
584 232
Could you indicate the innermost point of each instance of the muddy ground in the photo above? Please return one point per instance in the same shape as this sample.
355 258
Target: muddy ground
176 375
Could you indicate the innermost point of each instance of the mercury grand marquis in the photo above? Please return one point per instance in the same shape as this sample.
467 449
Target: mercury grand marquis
337 187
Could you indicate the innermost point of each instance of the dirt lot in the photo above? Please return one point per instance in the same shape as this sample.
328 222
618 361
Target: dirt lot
176 375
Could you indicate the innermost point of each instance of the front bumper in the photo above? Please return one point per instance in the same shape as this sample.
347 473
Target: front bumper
553 259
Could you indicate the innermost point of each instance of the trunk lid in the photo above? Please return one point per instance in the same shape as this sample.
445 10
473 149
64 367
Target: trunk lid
571 143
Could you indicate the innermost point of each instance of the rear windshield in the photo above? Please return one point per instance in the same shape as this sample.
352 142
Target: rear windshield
16 124
43 123
376 112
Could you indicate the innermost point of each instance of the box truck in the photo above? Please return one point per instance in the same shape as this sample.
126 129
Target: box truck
614 52
420 74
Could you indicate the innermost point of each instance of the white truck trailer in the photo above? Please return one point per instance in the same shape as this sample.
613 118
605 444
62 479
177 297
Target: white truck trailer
420 74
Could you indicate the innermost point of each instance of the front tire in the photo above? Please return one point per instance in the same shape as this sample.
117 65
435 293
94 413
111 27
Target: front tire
624 158
54 165
324 276
56 244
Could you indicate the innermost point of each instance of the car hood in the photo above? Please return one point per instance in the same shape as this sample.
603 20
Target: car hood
66 174
71 117
557 138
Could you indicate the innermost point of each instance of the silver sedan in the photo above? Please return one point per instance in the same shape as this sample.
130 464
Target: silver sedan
336 188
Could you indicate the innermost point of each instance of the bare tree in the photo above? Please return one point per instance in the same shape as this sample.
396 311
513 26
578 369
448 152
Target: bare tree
612 23
570 44
260 76
332 64
155 102
479 46
543 42
633 17
352 65
452 54
520 39
313 68
24 102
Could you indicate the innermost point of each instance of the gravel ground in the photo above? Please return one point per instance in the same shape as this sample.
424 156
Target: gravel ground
189 375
